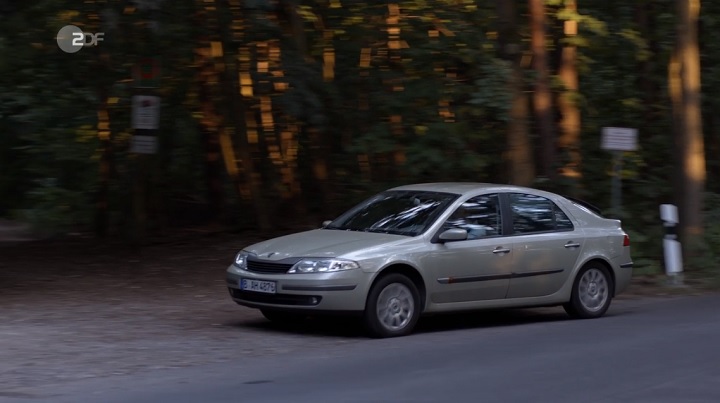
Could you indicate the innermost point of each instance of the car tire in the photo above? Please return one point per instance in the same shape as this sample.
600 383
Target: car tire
591 293
282 317
393 307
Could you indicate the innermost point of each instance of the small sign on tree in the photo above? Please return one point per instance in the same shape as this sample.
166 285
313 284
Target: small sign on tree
145 121
145 112
619 139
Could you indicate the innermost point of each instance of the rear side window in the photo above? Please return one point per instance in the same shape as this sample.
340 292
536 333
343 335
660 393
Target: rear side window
532 214
562 221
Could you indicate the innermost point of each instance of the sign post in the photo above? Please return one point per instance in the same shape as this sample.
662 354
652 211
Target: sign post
145 112
618 140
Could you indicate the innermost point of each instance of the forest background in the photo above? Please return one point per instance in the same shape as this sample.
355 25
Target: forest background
279 113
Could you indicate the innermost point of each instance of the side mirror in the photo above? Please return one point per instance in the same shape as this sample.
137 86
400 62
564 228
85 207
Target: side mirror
326 223
453 234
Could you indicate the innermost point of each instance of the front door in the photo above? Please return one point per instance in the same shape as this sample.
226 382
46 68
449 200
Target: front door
479 267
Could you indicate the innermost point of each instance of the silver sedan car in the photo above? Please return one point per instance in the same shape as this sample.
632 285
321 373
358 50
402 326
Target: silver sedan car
439 247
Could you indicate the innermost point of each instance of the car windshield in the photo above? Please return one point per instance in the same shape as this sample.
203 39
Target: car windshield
395 212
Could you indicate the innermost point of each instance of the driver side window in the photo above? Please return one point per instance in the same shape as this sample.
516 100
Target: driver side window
479 216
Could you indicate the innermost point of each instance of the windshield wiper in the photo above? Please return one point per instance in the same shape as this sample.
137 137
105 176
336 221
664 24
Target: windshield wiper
338 228
373 230
388 231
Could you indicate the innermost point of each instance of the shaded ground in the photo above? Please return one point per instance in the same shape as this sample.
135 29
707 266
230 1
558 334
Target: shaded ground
79 309
74 310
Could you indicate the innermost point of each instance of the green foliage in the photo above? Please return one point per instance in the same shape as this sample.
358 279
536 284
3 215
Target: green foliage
55 210
711 258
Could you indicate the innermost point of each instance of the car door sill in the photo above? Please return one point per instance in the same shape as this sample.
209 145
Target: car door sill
490 277
536 273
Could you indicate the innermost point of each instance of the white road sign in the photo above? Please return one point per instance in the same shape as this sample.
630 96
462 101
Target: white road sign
145 112
619 138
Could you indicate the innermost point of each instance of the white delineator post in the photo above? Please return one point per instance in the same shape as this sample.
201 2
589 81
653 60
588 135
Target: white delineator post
671 245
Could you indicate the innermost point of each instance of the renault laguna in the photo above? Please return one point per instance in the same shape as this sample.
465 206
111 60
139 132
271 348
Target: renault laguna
439 247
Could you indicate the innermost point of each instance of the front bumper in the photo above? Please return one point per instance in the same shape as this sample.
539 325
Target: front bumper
343 291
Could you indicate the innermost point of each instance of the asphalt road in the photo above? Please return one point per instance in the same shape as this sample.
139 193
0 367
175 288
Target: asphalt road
650 351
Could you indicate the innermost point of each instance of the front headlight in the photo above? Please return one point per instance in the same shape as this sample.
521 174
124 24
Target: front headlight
323 266
241 260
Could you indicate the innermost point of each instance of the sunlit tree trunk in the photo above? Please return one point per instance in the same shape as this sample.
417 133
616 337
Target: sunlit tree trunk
542 96
289 136
675 93
102 216
104 132
569 140
210 123
213 162
363 104
230 69
317 153
692 144
519 156
319 137
395 45
106 162
222 108
144 42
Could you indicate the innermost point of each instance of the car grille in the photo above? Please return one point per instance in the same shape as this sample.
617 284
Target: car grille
268 267
280 299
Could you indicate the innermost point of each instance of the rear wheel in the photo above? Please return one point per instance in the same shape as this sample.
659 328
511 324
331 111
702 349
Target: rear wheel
592 292
393 306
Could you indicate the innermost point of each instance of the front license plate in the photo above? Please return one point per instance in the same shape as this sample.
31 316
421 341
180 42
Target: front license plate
267 287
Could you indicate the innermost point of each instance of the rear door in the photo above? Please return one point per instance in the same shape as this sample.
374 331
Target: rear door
546 245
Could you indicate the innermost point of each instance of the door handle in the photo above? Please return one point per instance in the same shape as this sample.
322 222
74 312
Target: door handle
572 244
500 249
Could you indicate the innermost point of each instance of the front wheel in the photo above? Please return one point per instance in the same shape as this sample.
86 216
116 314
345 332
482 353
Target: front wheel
393 306
591 293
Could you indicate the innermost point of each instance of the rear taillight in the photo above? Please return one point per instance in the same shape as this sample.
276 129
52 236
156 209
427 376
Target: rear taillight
626 240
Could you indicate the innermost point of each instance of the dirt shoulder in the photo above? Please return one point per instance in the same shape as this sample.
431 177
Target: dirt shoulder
78 309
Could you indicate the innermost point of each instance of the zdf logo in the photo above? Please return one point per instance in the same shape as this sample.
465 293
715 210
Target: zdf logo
71 39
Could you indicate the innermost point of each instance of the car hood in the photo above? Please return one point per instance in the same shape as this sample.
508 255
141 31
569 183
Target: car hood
322 243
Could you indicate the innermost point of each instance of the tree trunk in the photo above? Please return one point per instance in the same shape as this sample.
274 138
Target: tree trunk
693 152
237 110
542 96
519 156
106 165
570 122
209 127
675 93
105 137
213 165
644 13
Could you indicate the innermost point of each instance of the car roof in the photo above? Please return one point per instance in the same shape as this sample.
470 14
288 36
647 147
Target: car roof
462 188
